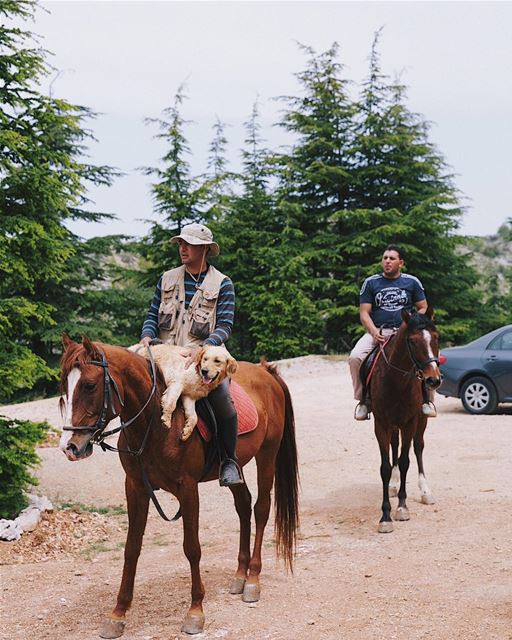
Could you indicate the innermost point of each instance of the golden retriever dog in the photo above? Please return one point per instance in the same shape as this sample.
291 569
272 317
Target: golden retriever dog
211 366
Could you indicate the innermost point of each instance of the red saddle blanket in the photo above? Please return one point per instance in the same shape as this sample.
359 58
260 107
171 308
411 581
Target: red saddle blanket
247 414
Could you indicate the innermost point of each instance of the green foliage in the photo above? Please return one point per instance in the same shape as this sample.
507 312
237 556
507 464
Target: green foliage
18 442
302 228
44 268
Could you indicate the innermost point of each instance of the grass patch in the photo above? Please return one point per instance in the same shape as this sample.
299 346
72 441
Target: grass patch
105 511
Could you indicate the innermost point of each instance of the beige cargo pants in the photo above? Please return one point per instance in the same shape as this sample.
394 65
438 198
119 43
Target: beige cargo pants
361 349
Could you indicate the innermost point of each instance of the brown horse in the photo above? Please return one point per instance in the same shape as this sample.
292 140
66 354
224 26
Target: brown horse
407 361
100 381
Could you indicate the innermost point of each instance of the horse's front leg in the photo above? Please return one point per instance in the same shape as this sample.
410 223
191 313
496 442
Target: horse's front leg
418 443
189 504
402 512
138 503
383 438
394 483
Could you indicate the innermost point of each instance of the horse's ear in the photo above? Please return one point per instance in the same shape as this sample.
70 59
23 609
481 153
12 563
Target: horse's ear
89 347
406 316
67 341
430 312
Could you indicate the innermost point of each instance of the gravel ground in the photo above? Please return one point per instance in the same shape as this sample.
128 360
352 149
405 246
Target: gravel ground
445 574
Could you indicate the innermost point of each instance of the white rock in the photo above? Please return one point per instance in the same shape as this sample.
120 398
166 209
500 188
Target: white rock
40 502
28 519
10 530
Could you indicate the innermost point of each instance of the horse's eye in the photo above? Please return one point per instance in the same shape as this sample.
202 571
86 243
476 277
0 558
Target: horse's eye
89 386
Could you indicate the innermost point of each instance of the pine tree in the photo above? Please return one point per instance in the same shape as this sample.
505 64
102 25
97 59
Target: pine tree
176 194
316 183
42 186
405 195
273 316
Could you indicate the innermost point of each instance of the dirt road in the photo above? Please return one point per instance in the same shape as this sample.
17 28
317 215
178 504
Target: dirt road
446 574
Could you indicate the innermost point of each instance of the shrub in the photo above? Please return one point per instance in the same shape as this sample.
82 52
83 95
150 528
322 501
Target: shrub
18 441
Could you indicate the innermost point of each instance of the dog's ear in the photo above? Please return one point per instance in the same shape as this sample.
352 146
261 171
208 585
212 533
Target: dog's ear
199 356
231 366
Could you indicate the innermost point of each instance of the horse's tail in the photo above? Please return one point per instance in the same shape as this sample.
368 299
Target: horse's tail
286 484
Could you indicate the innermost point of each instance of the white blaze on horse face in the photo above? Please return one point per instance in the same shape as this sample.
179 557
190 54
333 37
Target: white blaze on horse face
428 337
73 378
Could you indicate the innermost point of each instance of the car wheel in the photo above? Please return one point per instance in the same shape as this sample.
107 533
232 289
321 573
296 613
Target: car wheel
479 396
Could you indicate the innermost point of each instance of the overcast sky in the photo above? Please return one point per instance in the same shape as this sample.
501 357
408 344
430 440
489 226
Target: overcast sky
127 59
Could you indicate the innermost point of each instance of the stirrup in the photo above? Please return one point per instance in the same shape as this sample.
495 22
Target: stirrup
362 412
230 473
429 409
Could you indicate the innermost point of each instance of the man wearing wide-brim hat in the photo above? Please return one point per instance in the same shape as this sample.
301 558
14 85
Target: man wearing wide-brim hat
194 305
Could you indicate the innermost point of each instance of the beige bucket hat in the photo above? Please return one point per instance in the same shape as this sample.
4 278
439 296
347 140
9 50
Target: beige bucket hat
198 234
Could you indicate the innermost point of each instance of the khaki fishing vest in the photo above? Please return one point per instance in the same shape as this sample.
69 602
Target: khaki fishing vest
188 327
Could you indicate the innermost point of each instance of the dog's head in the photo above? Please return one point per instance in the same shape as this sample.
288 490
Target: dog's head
214 364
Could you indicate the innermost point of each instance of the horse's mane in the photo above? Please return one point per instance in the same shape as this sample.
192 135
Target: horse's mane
76 354
419 321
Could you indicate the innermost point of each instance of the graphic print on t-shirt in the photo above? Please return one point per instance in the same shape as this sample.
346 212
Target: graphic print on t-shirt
391 299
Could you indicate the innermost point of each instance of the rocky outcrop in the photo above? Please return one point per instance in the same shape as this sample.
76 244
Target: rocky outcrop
28 519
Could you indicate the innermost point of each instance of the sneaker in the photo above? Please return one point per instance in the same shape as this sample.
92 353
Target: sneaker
429 409
362 412
230 473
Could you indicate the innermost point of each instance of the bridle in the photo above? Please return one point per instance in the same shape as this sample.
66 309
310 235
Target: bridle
110 392
418 366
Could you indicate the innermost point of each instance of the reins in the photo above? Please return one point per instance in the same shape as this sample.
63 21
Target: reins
99 434
417 367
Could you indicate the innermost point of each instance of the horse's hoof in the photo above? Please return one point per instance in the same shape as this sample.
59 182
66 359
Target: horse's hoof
251 592
385 527
112 628
237 585
194 623
402 514
427 498
393 491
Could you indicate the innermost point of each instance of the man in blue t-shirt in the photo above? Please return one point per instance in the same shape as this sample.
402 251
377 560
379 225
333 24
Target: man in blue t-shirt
381 300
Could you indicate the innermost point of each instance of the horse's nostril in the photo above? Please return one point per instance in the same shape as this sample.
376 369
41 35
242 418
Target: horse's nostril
72 448
433 382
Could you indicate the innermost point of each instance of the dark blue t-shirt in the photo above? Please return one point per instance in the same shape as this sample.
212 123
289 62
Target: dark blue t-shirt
388 296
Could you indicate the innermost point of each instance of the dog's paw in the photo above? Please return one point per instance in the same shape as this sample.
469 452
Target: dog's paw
167 419
186 432
188 427
168 406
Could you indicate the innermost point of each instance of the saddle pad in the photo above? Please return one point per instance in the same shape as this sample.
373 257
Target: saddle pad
247 414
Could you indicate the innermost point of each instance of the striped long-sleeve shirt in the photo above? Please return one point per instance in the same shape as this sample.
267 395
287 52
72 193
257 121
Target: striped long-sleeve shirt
224 315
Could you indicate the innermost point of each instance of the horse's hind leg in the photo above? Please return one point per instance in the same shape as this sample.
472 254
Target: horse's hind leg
242 498
395 472
138 503
419 443
265 461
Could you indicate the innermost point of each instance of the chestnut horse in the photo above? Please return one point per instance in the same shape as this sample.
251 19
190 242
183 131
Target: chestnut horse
407 361
100 382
